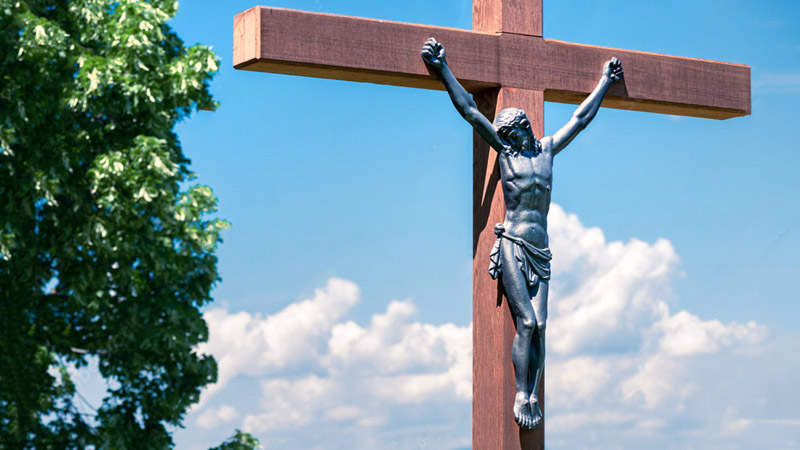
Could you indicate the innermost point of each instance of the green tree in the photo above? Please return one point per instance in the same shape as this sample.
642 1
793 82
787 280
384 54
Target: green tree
104 251
239 441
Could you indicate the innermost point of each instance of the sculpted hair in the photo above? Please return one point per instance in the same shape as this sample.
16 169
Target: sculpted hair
505 121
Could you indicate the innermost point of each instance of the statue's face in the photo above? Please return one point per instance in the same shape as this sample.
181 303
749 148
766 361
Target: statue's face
521 135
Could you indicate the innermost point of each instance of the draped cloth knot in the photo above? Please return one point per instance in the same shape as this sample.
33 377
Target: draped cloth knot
534 262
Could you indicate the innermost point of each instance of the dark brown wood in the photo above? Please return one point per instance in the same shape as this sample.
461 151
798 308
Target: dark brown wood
498 16
493 329
368 50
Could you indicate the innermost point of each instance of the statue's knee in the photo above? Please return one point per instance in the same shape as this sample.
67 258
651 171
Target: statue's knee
526 325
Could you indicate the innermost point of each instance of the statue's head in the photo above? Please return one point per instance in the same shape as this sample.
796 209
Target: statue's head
514 127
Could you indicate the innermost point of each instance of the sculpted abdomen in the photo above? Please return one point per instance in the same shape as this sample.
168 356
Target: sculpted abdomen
527 185
527 182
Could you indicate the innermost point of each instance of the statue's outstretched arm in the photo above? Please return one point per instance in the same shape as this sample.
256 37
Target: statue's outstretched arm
433 55
612 72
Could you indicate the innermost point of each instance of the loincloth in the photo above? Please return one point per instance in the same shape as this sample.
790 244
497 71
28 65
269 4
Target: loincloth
534 262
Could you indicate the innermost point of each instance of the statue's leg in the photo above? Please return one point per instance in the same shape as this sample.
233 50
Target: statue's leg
539 304
518 296
532 366
536 370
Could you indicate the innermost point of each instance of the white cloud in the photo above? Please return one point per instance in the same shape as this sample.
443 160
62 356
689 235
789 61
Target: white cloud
362 377
621 366
249 344
344 413
569 422
407 362
684 334
290 404
791 422
612 337
655 382
732 425
578 380
213 417
604 293
618 351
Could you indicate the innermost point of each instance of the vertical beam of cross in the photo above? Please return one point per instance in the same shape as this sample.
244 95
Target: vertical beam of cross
493 426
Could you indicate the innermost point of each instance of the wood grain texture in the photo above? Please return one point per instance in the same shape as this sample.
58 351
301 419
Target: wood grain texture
383 52
247 36
493 389
507 16
367 50
652 82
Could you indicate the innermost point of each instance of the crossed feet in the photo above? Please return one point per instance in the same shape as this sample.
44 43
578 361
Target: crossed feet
526 411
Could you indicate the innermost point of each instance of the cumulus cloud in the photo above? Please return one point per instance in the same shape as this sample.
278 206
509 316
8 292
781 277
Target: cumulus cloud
249 344
317 369
368 371
617 349
621 364
213 417
405 362
578 380
655 382
613 298
572 421
290 404
684 334
604 293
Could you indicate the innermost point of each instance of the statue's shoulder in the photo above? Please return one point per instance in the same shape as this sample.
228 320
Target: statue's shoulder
546 144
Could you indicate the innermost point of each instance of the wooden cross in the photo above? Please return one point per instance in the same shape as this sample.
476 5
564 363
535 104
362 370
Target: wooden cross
504 62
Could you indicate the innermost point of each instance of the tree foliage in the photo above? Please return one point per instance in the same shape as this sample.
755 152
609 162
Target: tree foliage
105 253
239 441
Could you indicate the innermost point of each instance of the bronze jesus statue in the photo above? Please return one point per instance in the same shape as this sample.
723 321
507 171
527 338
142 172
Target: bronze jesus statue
521 254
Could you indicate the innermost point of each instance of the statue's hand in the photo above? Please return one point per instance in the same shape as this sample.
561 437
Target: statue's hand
613 70
433 53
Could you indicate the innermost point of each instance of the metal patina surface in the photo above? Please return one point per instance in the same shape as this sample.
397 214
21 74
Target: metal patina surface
521 257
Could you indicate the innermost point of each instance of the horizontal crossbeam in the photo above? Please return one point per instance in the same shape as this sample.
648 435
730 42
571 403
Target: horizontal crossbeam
368 50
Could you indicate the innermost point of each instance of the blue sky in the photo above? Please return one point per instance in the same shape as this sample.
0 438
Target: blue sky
673 322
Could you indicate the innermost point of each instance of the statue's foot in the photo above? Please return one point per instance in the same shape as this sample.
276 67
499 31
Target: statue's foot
536 413
522 411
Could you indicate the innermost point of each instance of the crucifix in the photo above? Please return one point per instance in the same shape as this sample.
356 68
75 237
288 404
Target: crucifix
504 62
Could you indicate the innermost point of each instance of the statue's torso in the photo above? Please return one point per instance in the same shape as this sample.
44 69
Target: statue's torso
527 184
